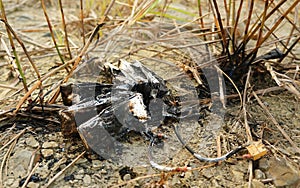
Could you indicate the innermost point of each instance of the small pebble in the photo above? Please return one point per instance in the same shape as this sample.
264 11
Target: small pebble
47 152
96 164
257 184
32 185
258 174
47 145
127 177
87 180
32 142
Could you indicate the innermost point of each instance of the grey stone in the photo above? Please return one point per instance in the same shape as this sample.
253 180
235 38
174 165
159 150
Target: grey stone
42 171
81 171
19 162
238 176
32 142
207 173
9 181
22 156
283 173
79 176
19 171
87 180
263 164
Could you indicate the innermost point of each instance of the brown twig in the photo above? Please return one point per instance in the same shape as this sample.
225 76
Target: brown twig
21 102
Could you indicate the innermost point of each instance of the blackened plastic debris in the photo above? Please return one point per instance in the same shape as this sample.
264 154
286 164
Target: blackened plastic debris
137 100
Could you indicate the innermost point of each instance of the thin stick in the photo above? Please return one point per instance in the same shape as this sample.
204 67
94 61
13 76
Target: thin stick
219 148
247 127
14 138
63 170
274 26
157 175
222 30
236 24
248 131
65 29
276 123
23 47
81 22
8 87
51 31
32 160
38 84
5 158
29 176
200 14
17 62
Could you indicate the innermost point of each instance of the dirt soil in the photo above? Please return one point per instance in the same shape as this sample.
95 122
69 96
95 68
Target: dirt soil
39 151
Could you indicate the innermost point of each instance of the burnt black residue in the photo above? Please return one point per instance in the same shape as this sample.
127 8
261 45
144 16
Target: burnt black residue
127 170
69 177
33 178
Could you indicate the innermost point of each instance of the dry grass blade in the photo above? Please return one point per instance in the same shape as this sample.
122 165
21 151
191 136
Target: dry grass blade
200 14
17 62
247 127
5 158
270 32
236 21
22 101
250 34
14 139
81 22
65 29
51 31
23 47
222 30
